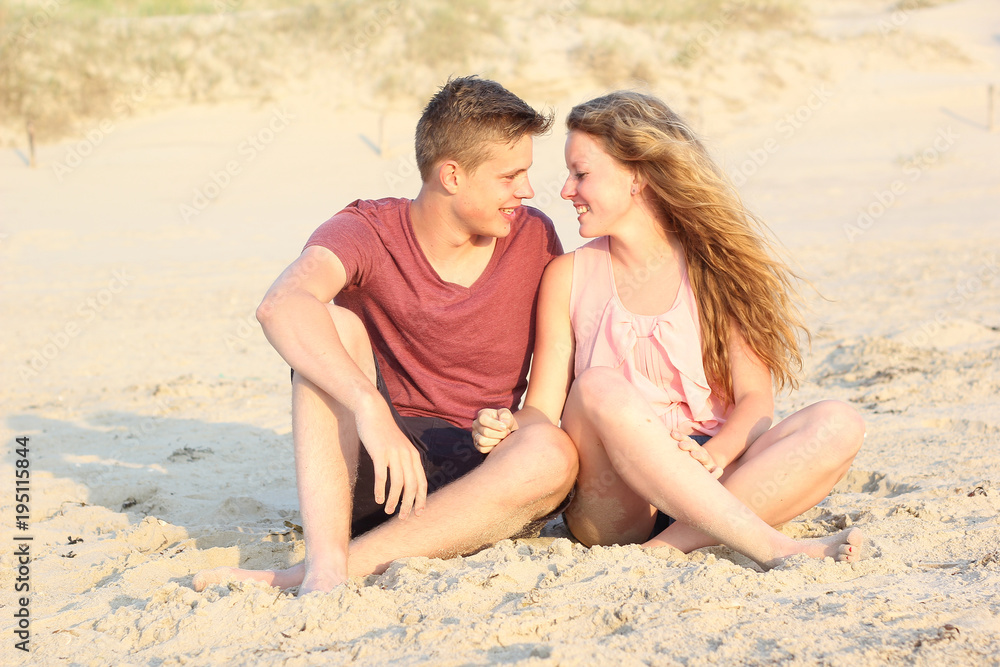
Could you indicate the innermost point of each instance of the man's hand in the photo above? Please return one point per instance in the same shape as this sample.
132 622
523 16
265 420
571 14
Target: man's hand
698 453
393 456
492 426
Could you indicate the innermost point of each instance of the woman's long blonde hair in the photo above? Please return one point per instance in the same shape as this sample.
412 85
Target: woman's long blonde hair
731 266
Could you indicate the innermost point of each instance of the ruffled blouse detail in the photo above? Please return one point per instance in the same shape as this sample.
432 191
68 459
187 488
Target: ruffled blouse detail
658 354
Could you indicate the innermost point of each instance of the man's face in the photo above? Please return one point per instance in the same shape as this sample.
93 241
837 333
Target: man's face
489 196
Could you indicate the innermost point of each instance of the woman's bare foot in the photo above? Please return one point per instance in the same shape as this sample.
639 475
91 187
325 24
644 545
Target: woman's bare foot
280 578
844 547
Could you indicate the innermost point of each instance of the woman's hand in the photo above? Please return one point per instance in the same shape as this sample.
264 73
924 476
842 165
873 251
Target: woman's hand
698 453
492 426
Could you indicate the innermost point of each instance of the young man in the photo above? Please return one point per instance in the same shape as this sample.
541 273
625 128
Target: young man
433 319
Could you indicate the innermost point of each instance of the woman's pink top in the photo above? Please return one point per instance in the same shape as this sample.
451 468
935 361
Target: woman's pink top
659 354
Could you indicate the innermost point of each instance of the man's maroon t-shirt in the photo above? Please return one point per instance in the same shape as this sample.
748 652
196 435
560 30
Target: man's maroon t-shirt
444 350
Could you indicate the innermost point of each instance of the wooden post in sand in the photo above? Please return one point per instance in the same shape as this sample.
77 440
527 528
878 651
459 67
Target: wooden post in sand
990 96
31 144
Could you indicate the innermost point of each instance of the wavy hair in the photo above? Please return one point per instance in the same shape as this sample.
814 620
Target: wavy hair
731 265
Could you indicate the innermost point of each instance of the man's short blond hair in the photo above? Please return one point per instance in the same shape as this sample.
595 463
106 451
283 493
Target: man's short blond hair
467 118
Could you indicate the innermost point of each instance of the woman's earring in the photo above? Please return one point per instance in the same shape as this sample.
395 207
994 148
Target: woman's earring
635 190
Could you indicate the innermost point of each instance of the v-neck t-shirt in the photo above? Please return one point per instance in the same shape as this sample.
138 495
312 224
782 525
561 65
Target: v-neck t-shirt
445 350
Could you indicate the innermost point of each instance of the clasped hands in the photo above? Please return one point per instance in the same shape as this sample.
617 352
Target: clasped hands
491 427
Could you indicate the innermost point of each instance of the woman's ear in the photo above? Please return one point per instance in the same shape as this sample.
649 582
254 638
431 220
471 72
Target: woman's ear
637 184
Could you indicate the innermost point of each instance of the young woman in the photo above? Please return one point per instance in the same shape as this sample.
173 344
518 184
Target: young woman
659 343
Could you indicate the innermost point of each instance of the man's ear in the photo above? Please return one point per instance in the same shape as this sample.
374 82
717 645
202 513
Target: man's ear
449 175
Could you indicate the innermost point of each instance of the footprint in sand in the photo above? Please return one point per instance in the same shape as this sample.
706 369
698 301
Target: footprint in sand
873 483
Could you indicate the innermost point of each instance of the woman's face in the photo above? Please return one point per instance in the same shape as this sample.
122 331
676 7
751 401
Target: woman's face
599 187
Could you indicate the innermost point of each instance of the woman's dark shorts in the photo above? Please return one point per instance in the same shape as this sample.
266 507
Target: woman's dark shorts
664 520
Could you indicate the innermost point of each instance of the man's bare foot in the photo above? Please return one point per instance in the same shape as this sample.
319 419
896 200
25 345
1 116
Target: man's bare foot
322 582
280 578
844 547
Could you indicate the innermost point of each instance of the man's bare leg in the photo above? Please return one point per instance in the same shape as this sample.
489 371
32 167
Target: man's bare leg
787 471
326 448
524 478
326 459
616 430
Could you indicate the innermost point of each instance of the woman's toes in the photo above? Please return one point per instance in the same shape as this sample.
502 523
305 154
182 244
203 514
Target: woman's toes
850 550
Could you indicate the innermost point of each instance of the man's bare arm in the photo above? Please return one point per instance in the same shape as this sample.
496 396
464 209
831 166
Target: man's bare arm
296 322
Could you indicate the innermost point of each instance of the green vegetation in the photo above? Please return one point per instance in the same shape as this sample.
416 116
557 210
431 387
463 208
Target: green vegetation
754 13
77 9
907 5
62 65
65 64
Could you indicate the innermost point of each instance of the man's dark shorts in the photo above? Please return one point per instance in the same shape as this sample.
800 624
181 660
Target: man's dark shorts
446 451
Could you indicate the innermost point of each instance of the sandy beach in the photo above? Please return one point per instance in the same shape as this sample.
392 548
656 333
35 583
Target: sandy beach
157 417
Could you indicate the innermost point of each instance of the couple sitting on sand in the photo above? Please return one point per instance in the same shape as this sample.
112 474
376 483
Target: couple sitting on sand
648 415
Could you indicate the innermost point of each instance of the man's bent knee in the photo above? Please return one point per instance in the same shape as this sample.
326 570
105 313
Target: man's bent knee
354 337
547 457
349 326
